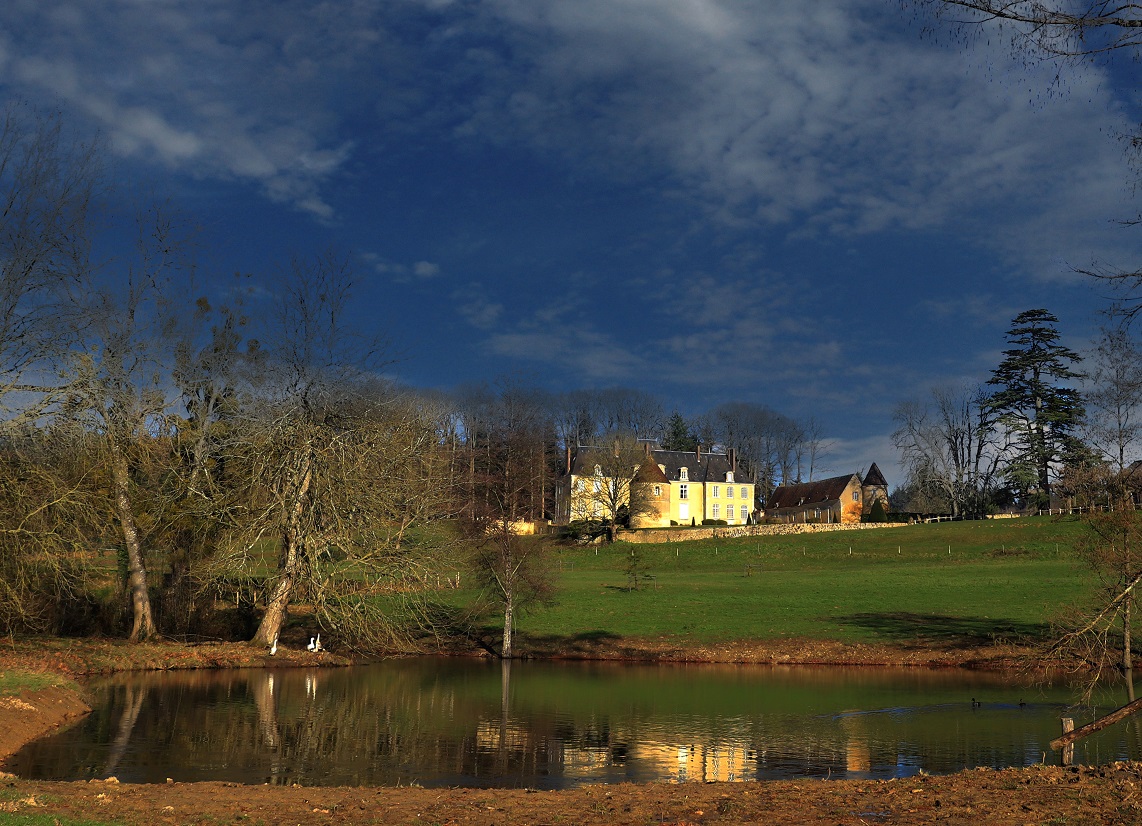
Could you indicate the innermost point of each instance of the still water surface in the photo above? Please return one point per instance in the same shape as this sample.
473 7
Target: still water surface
446 722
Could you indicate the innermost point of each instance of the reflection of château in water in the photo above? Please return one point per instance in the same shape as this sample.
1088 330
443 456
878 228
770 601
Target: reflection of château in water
700 761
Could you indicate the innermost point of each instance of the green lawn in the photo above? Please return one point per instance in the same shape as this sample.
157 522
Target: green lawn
13 682
1001 579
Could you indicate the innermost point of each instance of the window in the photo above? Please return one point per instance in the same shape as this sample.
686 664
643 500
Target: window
658 490
730 476
745 514
714 510
717 492
683 491
856 495
745 495
684 474
598 486
729 491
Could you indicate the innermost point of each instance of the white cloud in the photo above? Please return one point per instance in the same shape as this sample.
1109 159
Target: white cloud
824 117
473 304
815 117
426 269
212 90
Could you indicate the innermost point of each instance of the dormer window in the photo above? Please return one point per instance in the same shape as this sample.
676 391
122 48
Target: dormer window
730 476
598 471
684 474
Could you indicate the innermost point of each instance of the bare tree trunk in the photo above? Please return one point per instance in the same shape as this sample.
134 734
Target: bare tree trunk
143 625
509 617
1127 653
278 605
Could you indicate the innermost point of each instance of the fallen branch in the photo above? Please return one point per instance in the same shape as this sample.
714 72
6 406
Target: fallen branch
1097 725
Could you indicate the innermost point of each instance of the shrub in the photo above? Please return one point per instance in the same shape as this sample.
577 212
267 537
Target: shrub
584 529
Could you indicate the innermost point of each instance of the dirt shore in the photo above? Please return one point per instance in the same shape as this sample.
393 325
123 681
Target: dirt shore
1039 795
1013 797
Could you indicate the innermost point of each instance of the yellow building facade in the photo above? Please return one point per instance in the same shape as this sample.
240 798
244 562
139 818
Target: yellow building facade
669 487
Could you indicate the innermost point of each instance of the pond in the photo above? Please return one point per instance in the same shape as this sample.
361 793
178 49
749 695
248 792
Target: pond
460 722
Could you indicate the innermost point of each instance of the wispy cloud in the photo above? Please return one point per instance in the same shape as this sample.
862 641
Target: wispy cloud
210 89
819 117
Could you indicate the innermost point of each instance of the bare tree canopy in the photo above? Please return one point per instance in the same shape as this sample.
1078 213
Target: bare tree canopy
951 446
1114 396
1056 28
46 189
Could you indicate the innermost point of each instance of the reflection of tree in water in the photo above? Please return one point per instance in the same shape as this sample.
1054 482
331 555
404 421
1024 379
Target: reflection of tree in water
134 696
262 689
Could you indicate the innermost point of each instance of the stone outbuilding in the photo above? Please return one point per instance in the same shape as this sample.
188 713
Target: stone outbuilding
843 499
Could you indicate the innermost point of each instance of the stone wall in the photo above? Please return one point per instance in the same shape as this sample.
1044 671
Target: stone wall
649 535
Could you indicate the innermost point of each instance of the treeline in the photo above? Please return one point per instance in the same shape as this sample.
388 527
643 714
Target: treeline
163 449
1045 424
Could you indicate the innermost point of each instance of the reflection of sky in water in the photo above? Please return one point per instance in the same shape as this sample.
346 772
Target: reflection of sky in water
550 725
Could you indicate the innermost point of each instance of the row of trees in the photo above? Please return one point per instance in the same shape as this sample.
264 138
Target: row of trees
249 444
971 449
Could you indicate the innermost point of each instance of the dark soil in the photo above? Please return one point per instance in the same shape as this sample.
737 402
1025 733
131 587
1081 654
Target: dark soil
1040 795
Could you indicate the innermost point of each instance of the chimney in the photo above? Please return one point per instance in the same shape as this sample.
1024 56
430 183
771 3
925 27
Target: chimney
568 460
733 461
699 451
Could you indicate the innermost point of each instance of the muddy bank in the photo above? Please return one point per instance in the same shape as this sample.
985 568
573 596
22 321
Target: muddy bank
35 713
1011 797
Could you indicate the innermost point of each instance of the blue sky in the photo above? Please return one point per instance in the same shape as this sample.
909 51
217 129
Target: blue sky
806 205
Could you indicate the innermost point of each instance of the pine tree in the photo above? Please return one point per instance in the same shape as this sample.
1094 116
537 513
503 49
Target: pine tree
678 435
1040 413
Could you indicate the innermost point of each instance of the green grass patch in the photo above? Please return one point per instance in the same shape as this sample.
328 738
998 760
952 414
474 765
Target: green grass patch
7 819
952 584
13 683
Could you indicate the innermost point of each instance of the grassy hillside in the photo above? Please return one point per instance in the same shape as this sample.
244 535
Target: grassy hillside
960 583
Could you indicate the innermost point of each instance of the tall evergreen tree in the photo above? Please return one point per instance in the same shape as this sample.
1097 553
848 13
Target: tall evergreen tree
678 435
1041 414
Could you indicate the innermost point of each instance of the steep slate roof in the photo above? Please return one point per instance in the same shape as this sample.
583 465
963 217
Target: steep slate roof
712 467
810 493
874 477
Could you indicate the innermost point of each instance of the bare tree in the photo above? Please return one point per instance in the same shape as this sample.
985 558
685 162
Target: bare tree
307 436
340 464
815 445
1112 548
511 567
121 384
1052 28
769 446
610 489
625 411
951 446
1114 395
51 510
47 184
